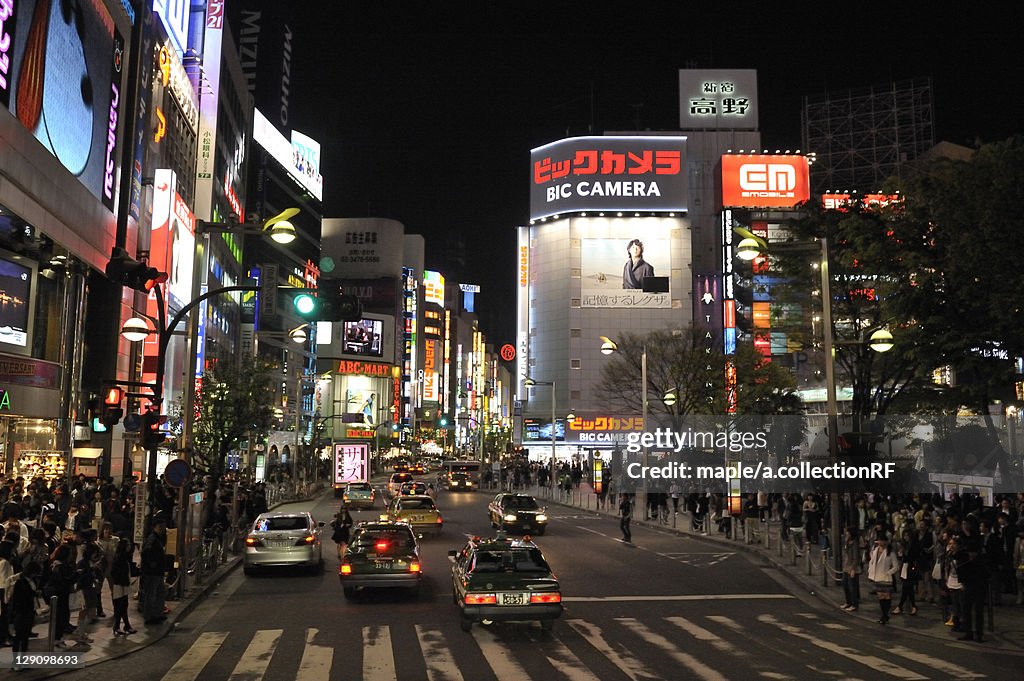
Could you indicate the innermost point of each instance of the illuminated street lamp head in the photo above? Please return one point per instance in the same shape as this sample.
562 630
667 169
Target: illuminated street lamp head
670 398
135 330
282 231
298 335
608 346
570 417
881 341
748 249
529 382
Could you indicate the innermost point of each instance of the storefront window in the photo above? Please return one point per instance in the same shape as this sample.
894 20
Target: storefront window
28 448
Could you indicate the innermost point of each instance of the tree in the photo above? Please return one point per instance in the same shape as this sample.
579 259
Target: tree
233 405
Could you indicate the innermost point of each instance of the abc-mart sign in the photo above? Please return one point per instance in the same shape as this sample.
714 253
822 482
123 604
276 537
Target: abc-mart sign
608 173
765 181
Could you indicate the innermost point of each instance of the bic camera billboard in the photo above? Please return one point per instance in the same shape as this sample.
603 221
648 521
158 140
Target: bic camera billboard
60 76
614 261
608 173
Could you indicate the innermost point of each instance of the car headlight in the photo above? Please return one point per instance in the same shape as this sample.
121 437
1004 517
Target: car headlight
510 517
541 518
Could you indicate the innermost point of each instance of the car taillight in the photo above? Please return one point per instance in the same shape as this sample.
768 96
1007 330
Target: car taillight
439 520
345 569
414 567
381 545
344 497
550 597
481 599
253 541
308 539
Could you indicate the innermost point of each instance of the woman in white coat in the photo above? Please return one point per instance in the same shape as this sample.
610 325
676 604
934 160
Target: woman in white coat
882 566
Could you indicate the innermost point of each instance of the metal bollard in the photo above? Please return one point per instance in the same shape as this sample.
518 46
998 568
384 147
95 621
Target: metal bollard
807 560
51 636
793 547
767 537
824 568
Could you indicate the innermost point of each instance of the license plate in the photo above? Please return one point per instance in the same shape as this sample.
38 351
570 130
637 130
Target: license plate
511 599
382 564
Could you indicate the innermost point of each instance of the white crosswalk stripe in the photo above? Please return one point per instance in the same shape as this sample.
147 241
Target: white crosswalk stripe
440 663
707 648
616 653
378 657
697 667
256 657
873 661
187 668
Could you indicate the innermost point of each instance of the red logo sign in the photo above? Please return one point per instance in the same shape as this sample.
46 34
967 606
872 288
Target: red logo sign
508 352
759 181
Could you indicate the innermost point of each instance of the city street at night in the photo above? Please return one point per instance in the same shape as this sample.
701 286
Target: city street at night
666 607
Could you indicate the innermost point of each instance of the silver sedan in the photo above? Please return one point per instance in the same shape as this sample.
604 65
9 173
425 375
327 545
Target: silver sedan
284 539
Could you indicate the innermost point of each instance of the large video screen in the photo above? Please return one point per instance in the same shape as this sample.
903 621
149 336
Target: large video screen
64 84
538 430
15 286
364 338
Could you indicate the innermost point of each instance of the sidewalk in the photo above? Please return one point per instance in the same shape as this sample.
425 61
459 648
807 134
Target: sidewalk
105 646
805 568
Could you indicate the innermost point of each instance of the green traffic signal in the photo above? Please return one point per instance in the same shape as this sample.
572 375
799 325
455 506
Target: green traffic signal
305 304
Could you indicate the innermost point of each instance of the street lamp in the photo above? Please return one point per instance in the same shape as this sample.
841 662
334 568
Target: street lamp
530 383
135 329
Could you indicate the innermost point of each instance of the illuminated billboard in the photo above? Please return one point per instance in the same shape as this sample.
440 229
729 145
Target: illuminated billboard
613 268
433 287
300 156
764 181
15 287
364 337
60 76
172 238
641 173
842 202
718 99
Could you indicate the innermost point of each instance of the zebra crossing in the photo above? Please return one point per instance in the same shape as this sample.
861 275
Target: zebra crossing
708 647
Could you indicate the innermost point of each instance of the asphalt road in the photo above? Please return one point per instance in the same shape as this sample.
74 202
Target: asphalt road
665 607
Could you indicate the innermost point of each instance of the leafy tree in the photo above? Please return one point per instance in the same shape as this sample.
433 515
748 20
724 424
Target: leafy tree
233 405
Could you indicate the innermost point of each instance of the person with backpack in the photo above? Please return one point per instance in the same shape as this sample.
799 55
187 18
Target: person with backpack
625 515
60 585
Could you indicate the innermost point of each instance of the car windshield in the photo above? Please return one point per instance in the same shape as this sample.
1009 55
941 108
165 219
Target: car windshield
458 476
282 524
359 487
401 477
521 503
420 504
396 539
511 560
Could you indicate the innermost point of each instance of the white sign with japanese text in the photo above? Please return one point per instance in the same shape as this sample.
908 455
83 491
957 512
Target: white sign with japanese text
718 99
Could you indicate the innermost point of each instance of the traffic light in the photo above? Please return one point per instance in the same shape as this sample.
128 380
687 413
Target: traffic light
328 305
127 271
112 411
152 436
94 413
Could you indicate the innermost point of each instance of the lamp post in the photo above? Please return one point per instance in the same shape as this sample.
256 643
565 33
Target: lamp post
529 382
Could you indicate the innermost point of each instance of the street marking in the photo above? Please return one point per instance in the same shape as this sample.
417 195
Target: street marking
565 661
316 660
378 657
702 634
698 668
498 656
688 597
837 627
872 661
778 676
621 658
698 559
727 622
954 671
440 663
256 657
189 665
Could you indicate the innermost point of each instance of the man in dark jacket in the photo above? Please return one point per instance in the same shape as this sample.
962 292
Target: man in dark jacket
636 268
972 569
154 567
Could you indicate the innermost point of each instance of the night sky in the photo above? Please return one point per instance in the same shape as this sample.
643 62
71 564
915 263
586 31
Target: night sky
427 111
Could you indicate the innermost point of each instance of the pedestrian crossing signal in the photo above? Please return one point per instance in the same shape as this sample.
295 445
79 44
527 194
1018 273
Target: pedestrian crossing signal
127 271
112 411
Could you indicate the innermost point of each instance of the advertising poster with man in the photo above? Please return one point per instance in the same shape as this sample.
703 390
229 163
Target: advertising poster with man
613 270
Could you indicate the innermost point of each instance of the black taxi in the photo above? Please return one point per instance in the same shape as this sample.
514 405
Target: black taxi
381 554
504 580
517 512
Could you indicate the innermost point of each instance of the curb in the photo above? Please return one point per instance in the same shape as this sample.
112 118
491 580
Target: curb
816 590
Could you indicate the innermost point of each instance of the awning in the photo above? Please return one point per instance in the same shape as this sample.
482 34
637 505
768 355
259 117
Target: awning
87 452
